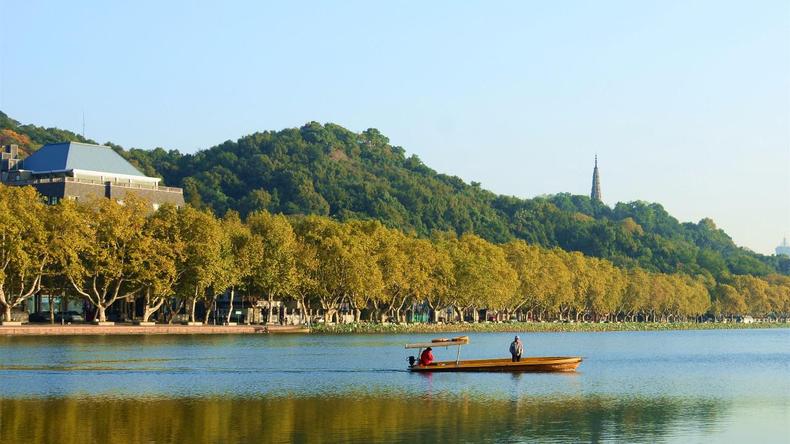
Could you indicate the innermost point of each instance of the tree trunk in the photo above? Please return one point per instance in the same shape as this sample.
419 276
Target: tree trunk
435 316
271 310
230 305
304 315
193 303
174 312
459 313
151 308
51 311
208 314
7 312
101 313
148 312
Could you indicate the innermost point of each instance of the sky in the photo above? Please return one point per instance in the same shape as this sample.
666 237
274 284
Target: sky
685 103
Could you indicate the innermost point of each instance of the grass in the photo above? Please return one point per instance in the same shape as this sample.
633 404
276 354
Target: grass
373 328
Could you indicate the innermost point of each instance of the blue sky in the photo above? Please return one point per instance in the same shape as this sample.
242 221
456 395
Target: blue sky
686 103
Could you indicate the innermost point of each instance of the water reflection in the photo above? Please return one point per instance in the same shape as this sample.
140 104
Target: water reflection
636 386
353 418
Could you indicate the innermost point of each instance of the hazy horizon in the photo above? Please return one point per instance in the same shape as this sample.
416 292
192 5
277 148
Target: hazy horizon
685 105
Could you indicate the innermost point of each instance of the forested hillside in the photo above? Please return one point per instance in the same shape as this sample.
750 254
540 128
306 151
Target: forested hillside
31 137
331 171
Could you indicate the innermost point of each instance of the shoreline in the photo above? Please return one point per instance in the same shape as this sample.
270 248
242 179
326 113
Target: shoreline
164 329
369 328
535 327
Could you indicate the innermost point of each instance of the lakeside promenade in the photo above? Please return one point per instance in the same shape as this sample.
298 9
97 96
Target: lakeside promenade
369 328
163 329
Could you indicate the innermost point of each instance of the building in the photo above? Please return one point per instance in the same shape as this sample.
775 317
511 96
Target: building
9 157
595 194
81 171
784 249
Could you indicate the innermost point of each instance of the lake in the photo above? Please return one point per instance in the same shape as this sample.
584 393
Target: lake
677 386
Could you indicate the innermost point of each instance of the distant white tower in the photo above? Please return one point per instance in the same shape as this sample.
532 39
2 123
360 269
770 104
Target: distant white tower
783 249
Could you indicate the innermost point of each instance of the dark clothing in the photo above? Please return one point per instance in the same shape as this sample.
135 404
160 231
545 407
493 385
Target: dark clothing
516 349
426 357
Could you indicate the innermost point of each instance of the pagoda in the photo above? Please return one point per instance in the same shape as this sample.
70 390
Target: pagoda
595 194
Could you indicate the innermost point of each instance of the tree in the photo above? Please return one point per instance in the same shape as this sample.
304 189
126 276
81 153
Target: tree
329 170
779 294
731 302
483 277
242 254
361 276
274 273
392 250
558 282
11 137
307 266
442 278
636 293
425 272
754 291
580 281
604 294
24 249
318 235
163 264
104 250
204 258
525 261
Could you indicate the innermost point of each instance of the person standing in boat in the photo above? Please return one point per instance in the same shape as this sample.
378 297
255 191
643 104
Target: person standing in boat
426 357
516 349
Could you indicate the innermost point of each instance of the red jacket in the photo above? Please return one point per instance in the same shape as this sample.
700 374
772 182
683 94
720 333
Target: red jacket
426 357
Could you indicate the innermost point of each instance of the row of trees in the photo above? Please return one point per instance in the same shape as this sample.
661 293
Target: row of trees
105 251
331 171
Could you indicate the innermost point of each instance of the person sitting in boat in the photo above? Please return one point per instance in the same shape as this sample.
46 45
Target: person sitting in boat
426 357
516 349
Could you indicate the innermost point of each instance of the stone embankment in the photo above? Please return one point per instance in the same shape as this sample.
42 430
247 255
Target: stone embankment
126 329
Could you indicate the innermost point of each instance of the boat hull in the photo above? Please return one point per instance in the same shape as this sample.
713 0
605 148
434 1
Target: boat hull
535 365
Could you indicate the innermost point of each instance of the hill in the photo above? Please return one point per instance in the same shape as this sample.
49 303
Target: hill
329 170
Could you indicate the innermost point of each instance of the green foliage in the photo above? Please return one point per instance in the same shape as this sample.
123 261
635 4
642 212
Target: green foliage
39 135
180 257
328 170
106 250
24 251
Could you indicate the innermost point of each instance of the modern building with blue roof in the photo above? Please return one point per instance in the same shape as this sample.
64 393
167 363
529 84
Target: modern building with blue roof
79 157
81 171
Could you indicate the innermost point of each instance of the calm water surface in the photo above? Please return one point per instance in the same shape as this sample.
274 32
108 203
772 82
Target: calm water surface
684 386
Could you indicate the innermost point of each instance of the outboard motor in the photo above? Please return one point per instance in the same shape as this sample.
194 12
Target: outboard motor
412 361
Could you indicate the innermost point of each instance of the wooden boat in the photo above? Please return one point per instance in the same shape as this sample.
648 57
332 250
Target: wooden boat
526 364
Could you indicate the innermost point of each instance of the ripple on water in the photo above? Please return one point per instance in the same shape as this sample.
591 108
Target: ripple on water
675 386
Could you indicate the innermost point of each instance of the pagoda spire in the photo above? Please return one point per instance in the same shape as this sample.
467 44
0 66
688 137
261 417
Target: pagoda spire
595 194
